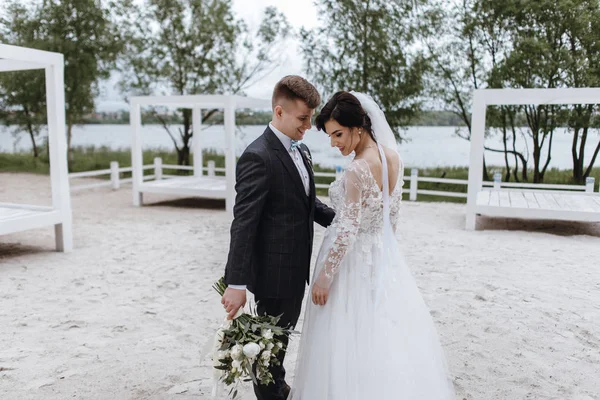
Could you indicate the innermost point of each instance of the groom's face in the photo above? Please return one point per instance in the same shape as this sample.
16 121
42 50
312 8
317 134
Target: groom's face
293 118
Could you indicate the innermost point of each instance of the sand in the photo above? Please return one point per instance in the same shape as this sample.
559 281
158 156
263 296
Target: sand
517 303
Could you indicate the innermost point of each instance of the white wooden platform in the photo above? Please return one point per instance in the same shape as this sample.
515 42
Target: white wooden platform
212 187
19 217
538 204
523 203
201 186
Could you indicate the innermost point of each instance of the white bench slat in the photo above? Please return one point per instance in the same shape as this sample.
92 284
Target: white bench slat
504 199
517 199
494 199
483 198
531 199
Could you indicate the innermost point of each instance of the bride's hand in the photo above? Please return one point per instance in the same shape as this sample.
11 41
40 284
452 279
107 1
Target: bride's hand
319 294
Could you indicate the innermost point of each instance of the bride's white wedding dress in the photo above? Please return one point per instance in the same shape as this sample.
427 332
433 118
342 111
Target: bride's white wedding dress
375 338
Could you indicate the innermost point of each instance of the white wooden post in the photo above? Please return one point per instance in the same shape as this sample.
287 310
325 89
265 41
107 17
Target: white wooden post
197 140
229 122
589 184
57 142
114 175
137 165
497 180
476 160
211 168
414 183
158 168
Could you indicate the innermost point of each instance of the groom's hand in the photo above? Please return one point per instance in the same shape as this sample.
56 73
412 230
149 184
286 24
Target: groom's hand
233 300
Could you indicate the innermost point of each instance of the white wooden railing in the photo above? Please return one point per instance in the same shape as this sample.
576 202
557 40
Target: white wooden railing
116 181
114 172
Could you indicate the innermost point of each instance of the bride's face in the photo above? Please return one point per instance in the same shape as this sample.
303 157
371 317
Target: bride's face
344 138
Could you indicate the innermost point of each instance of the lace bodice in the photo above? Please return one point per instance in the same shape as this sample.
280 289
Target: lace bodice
359 180
358 202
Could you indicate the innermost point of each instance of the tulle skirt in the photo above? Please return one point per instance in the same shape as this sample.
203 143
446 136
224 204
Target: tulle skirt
375 338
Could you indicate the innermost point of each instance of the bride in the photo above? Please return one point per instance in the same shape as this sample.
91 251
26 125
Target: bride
367 332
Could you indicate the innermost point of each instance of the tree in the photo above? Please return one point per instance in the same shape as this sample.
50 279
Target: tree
582 40
23 93
537 60
368 46
496 39
197 47
84 32
459 47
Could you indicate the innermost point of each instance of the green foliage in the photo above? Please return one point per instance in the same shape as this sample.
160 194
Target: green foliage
366 46
184 47
83 31
22 93
520 44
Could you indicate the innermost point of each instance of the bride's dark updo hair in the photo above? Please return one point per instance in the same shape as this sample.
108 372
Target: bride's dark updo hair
344 108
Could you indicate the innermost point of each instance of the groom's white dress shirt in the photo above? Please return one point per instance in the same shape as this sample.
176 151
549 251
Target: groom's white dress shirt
302 171
296 157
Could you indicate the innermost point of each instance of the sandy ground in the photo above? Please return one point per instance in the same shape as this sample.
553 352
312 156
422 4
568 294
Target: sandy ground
124 316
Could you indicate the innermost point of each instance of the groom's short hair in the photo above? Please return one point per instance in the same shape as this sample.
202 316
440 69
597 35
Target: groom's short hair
294 87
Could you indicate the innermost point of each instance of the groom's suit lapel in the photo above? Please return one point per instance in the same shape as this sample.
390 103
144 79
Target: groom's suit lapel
311 173
286 160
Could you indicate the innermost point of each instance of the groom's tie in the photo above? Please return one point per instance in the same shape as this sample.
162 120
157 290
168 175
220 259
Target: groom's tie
295 143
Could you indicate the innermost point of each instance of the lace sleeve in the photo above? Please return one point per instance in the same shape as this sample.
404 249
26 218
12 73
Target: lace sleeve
397 199
346 224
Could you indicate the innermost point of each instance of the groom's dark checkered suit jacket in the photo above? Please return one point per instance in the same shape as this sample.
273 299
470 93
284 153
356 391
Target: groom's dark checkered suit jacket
272 230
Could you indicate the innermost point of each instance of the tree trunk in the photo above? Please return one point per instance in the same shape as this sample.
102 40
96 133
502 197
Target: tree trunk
504 143
32 137
183 153
31 132
536 159
486 176
517 155
69 149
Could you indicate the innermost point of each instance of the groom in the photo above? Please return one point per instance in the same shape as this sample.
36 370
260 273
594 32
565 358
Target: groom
275 208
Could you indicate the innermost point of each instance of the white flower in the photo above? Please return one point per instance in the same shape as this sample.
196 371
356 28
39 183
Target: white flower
251 350
270 346
217 345
265 362
236 365
262 345
267 334
265 355
237 351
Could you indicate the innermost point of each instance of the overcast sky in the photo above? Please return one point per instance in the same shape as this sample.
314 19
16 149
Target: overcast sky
298 12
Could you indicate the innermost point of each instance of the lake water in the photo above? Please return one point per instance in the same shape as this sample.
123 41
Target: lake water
425 147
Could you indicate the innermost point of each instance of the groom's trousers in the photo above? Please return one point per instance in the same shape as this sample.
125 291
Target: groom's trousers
290 308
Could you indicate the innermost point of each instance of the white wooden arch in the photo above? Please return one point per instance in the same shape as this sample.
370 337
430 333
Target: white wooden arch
20 217
524 202
198 185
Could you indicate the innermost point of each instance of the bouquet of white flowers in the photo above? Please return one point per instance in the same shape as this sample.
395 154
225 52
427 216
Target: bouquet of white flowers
245 347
